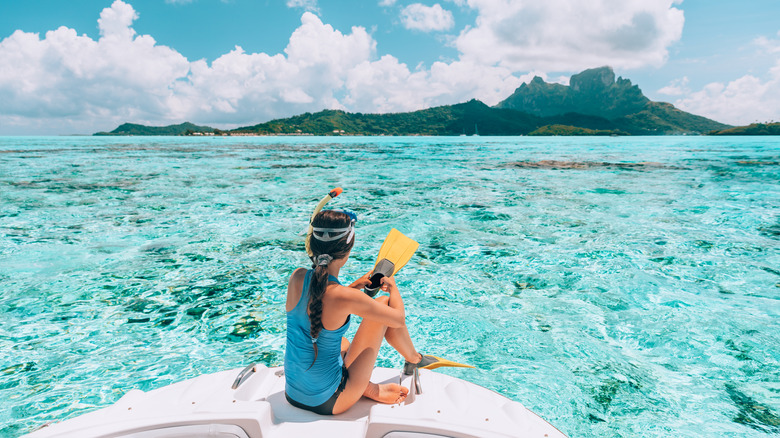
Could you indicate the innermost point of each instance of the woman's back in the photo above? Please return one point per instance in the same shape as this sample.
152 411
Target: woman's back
311 381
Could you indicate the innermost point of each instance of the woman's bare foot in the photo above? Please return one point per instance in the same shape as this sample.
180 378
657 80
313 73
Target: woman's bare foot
389 393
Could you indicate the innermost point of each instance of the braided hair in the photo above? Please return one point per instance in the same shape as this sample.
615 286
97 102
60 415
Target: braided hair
323 253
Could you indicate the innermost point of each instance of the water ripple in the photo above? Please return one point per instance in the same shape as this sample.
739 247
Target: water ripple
618 287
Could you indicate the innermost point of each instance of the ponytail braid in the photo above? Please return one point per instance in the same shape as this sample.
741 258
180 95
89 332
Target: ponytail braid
319 281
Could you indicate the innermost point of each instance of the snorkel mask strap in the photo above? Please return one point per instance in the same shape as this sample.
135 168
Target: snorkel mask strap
331 234
332 194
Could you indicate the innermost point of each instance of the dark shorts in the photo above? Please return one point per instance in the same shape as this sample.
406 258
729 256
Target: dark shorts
327 407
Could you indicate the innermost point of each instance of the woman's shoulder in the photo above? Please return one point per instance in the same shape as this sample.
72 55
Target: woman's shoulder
339 292
295 287
299 273
297 277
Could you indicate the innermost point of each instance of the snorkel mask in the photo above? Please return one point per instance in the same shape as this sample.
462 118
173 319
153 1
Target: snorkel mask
329 234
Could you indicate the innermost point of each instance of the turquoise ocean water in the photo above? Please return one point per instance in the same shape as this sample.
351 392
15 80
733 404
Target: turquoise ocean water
616 286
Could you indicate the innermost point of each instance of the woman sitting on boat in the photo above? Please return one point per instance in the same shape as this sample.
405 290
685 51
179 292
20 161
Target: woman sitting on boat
324 372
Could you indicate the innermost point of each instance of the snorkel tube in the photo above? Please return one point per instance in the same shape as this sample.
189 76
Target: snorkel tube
332 194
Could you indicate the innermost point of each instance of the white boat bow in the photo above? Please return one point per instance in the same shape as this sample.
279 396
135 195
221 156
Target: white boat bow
250 403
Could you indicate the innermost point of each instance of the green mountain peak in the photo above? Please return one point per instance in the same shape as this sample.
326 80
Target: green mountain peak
593 92
185 128
597 93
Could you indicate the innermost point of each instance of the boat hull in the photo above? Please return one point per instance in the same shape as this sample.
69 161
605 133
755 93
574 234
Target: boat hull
254 406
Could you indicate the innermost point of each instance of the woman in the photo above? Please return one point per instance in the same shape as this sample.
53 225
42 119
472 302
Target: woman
325 373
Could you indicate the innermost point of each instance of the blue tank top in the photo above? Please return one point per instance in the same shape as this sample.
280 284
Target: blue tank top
311 386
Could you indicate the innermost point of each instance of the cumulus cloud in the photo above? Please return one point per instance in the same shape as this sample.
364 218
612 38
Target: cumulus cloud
65 75
566 35
243 88
739 102
126 77
387 85
65 82
427 18
744 100
323 68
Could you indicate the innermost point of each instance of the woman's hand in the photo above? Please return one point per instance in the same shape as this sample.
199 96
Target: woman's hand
388 284
361 282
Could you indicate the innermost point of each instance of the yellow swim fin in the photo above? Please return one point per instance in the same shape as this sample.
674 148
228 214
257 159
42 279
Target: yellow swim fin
429 362
444 363
398 249
395 252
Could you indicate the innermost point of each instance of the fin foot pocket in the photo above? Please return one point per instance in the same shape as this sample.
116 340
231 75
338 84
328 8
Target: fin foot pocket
429 362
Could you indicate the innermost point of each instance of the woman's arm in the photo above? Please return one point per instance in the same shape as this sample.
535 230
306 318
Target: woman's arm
361 282
355 302
395 301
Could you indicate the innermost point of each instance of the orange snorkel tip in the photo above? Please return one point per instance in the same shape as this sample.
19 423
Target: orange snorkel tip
335 192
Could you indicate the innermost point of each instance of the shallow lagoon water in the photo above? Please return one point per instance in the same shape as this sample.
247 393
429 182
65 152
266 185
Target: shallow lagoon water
615 286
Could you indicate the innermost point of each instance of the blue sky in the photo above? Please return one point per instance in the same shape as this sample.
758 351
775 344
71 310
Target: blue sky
80 67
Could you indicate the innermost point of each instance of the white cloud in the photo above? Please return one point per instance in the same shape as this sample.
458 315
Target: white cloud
677 87
324 68
768 45
241 88
309 5
387 85
66 83
571 35
114 22
386 3
742 101
65 76
427 18
75 81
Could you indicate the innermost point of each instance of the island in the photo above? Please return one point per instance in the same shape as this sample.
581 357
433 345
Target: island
594 103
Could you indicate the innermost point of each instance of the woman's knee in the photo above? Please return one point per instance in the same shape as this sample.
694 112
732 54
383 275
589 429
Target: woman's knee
383 300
